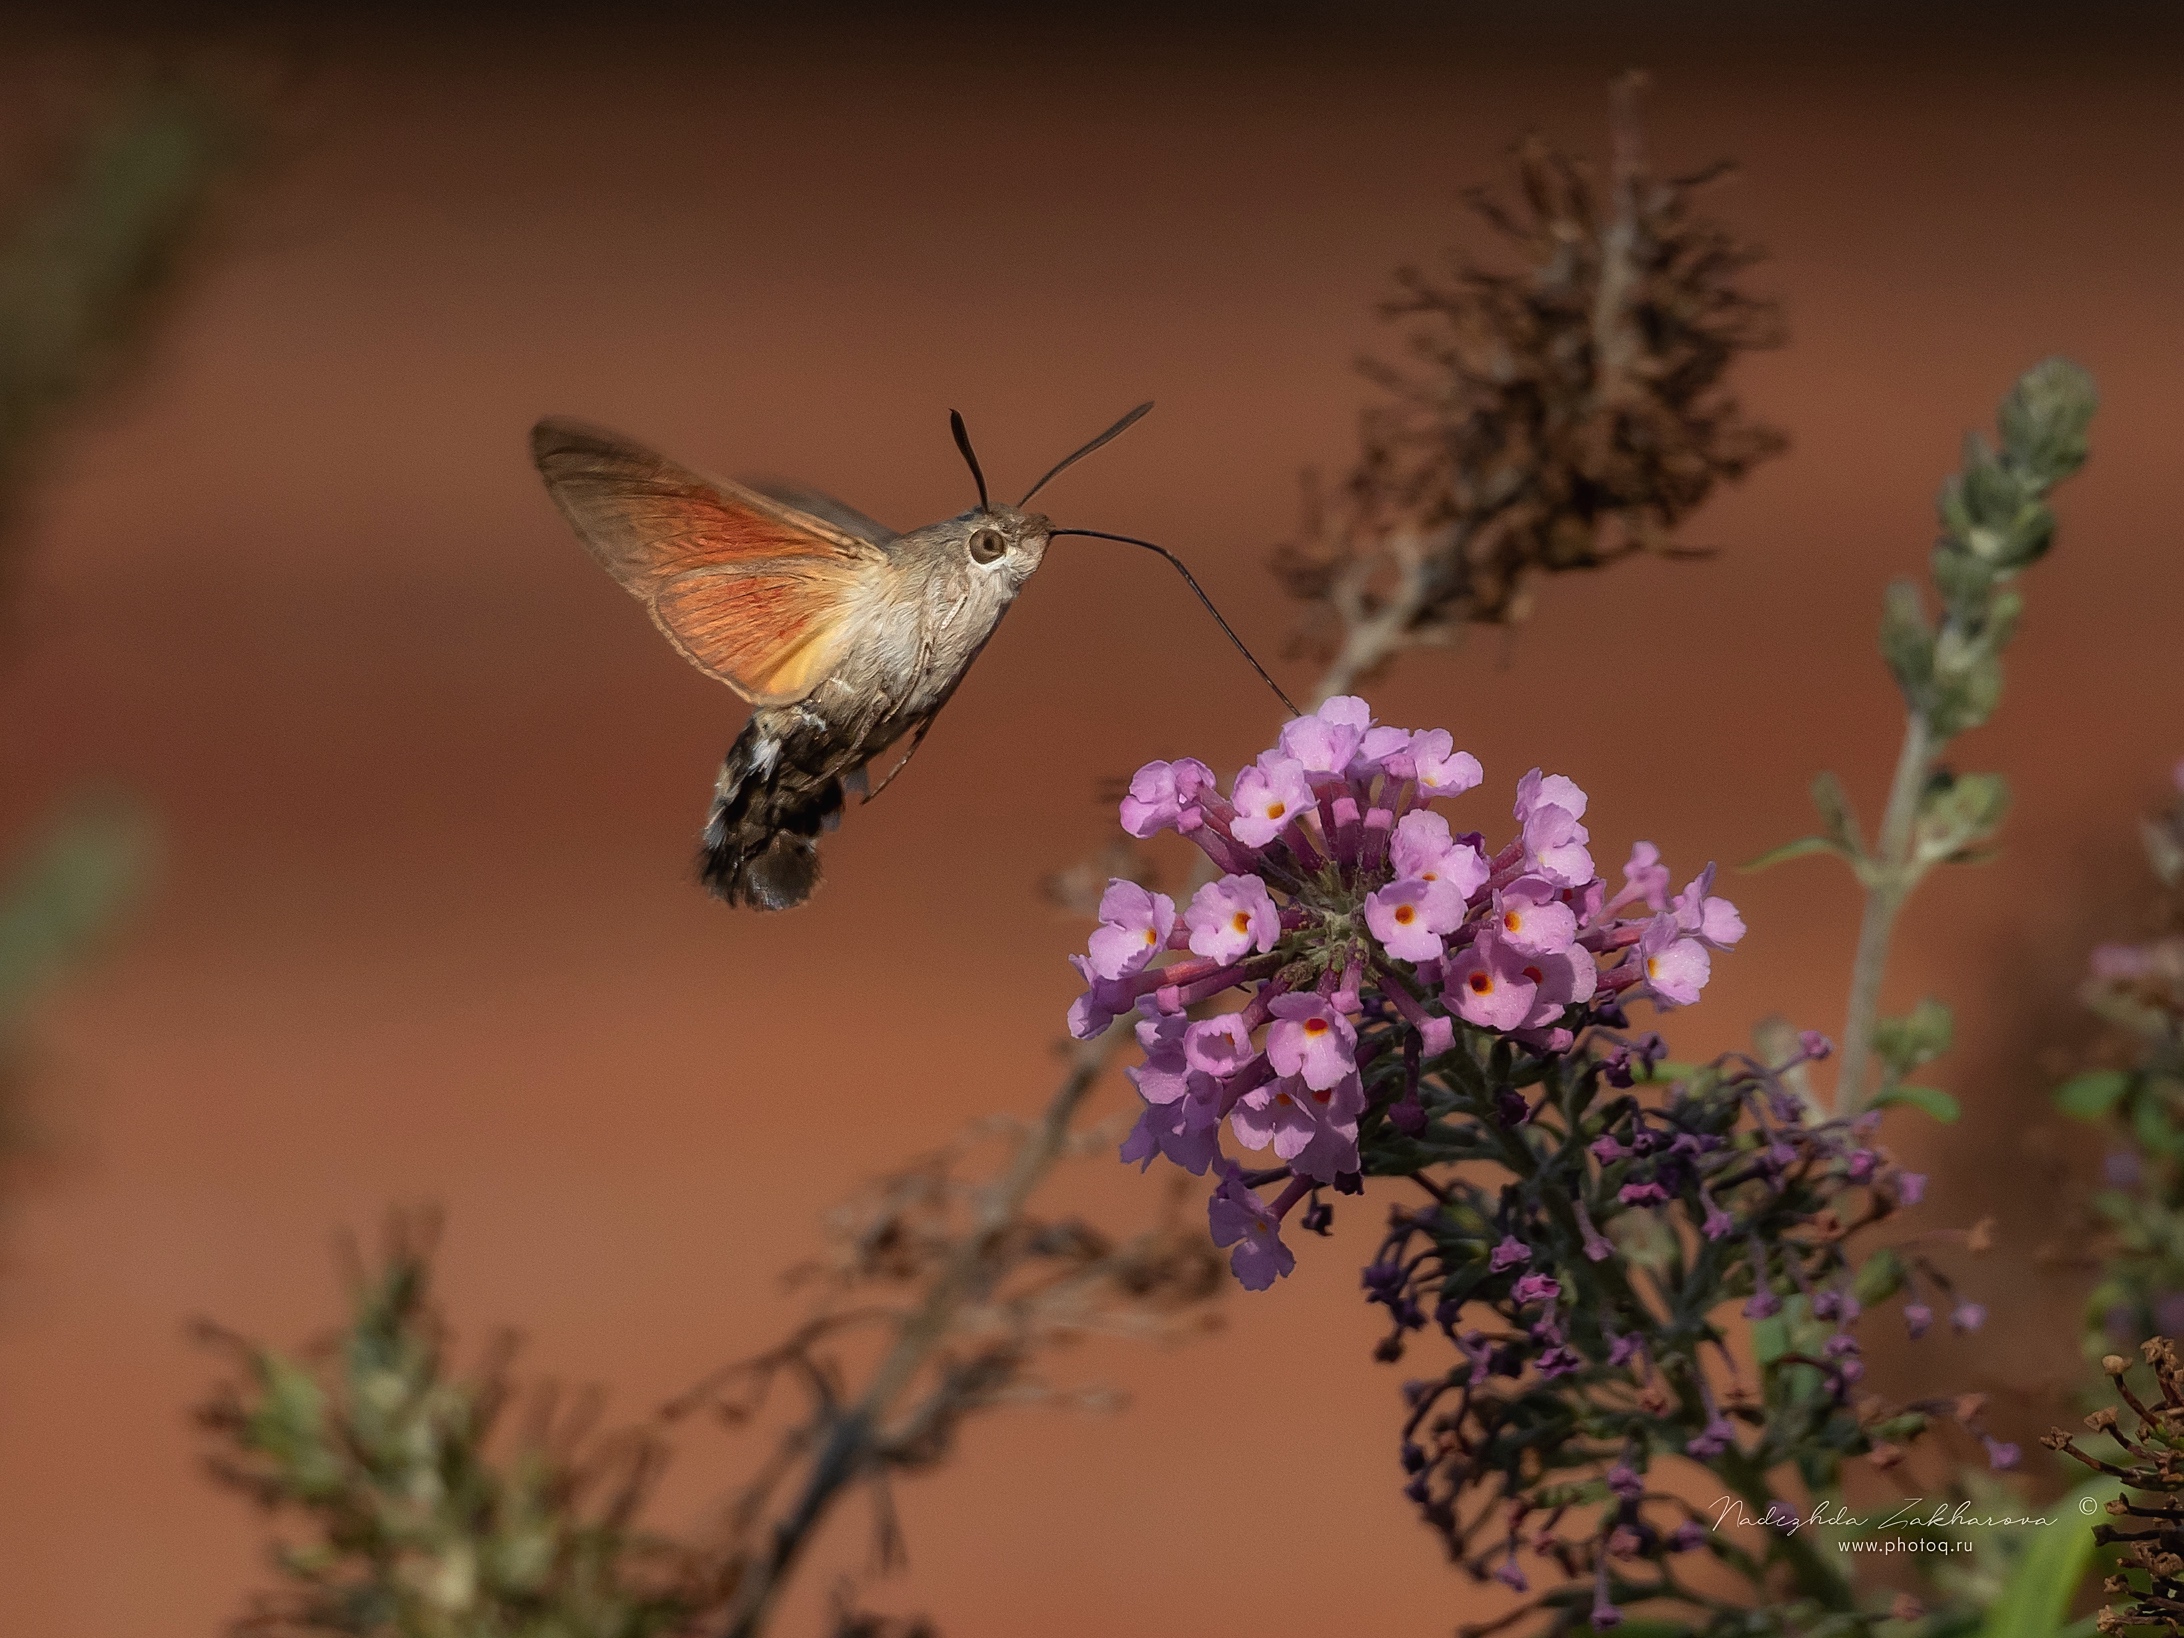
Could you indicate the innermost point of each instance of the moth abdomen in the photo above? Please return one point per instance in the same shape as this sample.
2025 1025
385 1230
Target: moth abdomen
777 793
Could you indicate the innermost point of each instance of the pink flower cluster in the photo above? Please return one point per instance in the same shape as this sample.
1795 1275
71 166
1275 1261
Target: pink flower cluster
1361 928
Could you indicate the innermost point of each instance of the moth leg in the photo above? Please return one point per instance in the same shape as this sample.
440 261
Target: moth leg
887 779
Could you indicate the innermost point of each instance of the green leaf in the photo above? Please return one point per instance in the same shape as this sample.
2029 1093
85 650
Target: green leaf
1957 813
1837 819
1880 1278
1928 1099
1919 1037
2093 1094
1793 850
1770 1340
2035 1601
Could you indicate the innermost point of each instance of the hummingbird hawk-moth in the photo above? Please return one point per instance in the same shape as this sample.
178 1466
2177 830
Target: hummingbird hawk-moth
843 635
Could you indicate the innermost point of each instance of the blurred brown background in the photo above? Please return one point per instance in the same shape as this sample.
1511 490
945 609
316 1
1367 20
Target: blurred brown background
429 783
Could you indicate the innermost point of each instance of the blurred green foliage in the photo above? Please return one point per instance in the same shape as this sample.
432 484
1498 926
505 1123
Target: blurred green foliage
430 1508
89 259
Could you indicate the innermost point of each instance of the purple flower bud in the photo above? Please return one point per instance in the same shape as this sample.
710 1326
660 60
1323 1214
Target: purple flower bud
1512 1577
1968 1316
1558 1361
1910 1187
1511 1253
1535 1288
1685 1537
1643 1194
1626 1482
1814 1045
1718 1435
1916 1318
2002 1457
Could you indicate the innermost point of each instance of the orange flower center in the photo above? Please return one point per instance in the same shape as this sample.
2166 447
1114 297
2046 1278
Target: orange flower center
1241 921
1275 810
1315 1026
1482 983
1405 915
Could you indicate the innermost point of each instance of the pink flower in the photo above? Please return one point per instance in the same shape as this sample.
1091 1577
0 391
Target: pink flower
1676 967
1713 921
1409 918
1487 987
1567 978
1160 791
1268 796
1531 918
1423 850
1234 915
1218 1046
1645 877
1325 742
1134 927
1238 1217
1439 768
1310 1038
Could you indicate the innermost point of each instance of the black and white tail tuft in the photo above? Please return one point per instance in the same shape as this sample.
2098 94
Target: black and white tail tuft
761 843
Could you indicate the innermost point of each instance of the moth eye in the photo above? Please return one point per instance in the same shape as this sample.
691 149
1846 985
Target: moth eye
986 545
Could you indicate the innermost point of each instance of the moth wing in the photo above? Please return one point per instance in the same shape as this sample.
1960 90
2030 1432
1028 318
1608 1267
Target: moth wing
750 590
819 504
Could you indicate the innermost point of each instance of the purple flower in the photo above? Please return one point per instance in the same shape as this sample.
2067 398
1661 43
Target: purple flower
1325 743
1968 1316
1310 1038
1238 1217
1676 967
1535 1288
2003 1458
1718 1435
1187 1131
1558 1361
1554 842
1530 917
1813 1045
1134 927
1643 1194
1440 769
1100 1005
1916 1318
1559 981
1423 850
1486 986
1711 920
1512 1577
1910 1187
1268 797
1232 916
1410 917
1626 1482
1685 1537
1216 1046
1160 791
1645 878
1511 1253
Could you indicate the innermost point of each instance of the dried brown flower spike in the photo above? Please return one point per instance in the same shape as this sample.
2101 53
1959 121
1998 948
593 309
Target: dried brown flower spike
1561 416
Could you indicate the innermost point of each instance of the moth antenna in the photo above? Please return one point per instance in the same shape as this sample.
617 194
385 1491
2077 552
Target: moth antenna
970 456
1067 461
1188 578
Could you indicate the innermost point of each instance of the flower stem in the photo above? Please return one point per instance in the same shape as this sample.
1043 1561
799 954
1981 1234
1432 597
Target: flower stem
1888 883
852 1447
